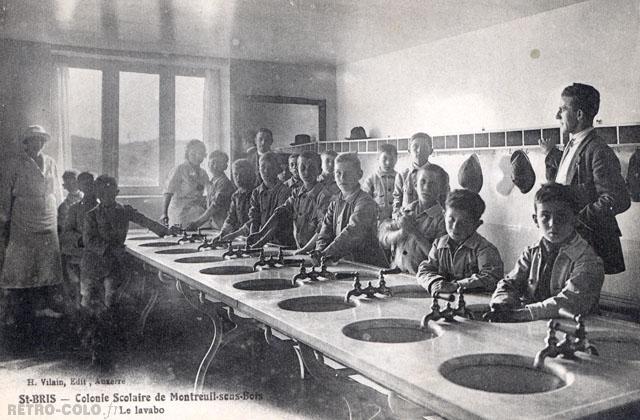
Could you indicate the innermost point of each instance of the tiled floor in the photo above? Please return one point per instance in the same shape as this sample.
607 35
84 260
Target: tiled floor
167 357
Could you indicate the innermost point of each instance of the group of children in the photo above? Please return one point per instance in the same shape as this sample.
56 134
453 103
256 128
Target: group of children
411 217
424 228
92 228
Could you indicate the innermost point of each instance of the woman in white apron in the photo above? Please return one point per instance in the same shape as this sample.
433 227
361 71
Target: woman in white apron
29 197
184 199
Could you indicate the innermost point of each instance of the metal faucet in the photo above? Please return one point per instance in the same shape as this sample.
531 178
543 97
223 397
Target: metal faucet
575 339
313 274
448 313
240 251
370 290
193 237
301 275
276 262
213 244
271 261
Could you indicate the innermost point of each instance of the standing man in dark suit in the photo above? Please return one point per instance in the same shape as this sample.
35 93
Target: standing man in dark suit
592 170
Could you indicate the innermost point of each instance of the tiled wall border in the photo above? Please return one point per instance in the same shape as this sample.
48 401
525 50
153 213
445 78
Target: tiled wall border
627 134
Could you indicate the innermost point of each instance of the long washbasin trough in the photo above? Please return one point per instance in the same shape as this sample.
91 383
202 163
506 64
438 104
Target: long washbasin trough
441 368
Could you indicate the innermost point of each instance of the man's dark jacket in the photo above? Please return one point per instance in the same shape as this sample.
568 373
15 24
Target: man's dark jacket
595 178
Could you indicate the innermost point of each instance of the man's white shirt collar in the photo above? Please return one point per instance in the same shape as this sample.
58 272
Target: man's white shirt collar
578 137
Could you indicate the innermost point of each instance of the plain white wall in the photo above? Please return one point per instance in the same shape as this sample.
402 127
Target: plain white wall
489 79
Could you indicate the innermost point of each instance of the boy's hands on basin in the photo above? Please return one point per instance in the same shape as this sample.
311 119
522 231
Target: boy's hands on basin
510 315
443 286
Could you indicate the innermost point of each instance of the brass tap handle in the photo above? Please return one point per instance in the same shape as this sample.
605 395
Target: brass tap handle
461 302
356 282
357 288
551 339
323 263
382 287
435 306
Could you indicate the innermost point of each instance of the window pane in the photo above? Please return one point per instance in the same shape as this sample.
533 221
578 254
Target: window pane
189 112
139 158
85 119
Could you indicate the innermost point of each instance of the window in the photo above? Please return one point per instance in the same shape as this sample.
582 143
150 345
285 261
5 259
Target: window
131 121
138 118
85 120
189 112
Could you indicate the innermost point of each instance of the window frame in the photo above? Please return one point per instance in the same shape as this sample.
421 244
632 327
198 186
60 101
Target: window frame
111 69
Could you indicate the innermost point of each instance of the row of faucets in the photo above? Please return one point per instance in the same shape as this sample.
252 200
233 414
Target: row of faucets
575 336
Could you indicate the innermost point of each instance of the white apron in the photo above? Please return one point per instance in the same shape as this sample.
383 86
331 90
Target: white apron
29 200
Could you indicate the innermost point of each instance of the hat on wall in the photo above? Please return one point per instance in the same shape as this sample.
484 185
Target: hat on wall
522 173
301 139
470 174
35 131
357 133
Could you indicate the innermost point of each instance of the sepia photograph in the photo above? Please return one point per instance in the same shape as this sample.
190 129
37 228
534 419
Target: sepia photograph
319 209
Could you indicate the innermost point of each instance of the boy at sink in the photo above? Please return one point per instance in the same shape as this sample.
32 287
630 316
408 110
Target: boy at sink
420 150
421 222
349 228
294 181
560 271
265 198
305 207
103 263
327 177
461 258
235 224
381 183
71 245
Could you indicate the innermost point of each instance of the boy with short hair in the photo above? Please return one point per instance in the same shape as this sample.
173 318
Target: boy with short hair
238 215
305 207
268 196
71 243
104 261
69 183
349 229
412 234
105 230
462 257
283 160
420 148
327 177
561 271
380 184
294 181
219 192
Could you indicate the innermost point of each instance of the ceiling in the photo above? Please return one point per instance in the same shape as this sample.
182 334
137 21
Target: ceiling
296 31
